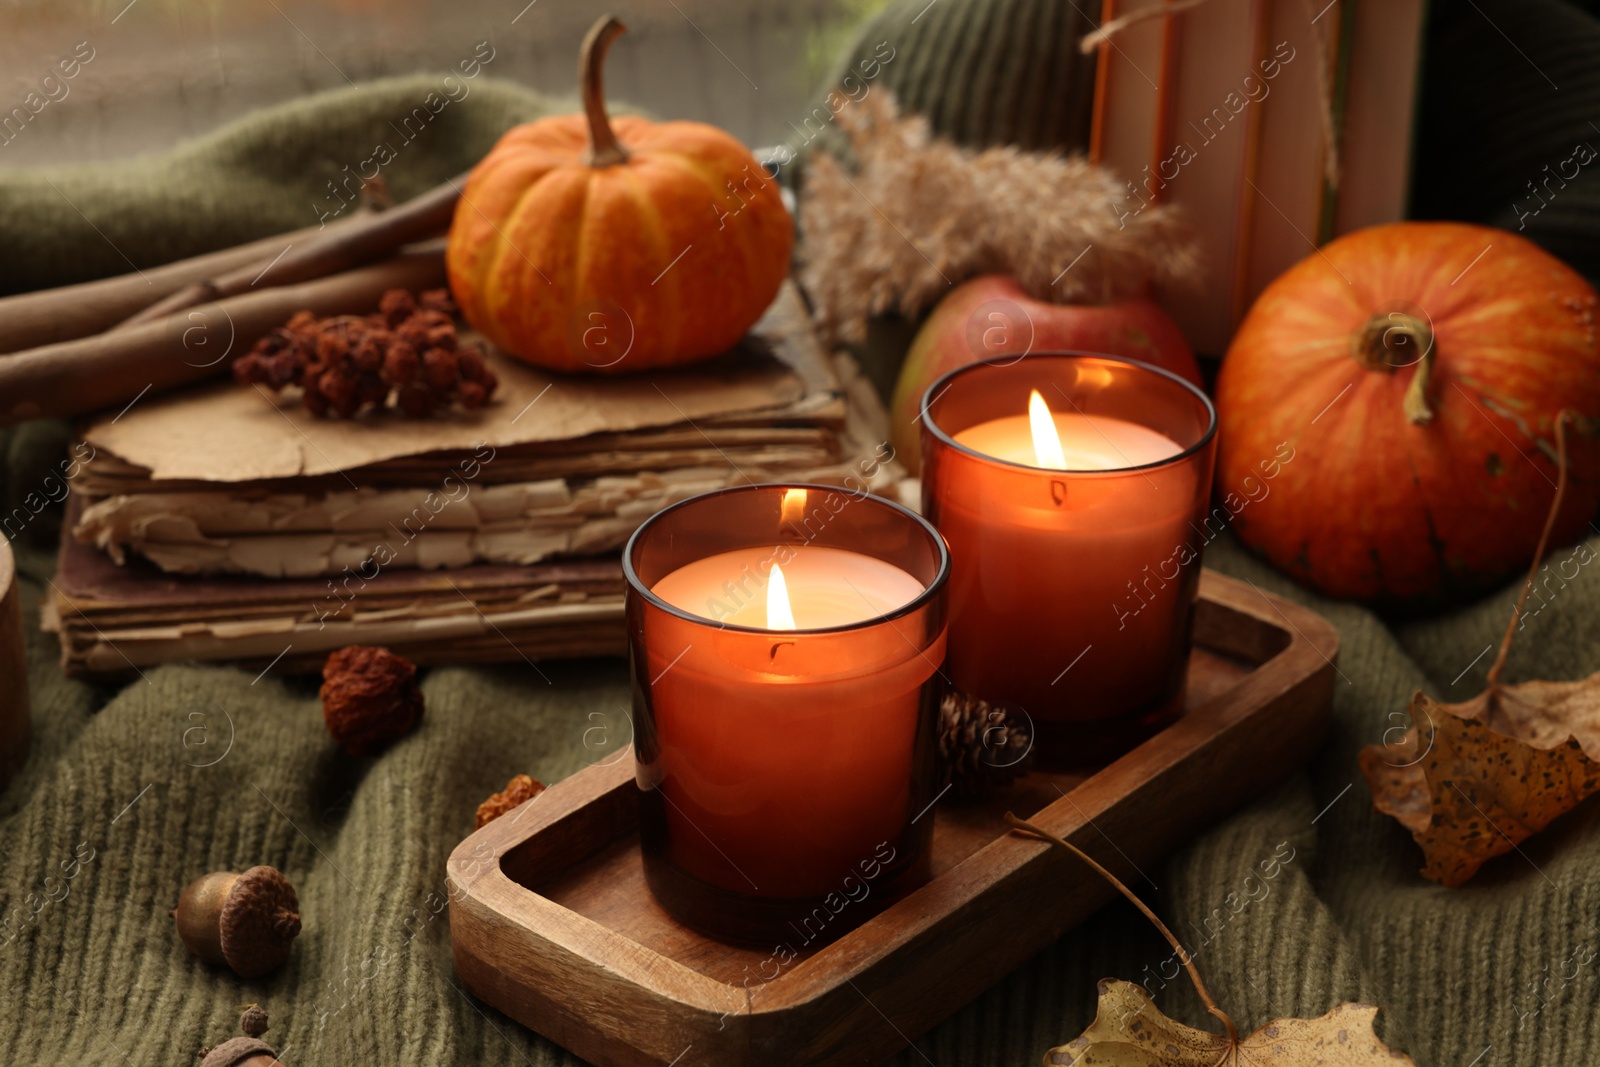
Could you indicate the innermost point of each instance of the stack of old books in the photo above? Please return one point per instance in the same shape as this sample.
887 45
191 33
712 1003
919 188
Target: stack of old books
224 523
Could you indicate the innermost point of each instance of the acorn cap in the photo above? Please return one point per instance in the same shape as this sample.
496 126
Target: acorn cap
260 920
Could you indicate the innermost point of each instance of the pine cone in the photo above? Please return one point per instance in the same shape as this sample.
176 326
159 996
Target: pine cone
981 747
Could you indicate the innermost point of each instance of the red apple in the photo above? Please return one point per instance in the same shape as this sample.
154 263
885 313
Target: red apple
991 318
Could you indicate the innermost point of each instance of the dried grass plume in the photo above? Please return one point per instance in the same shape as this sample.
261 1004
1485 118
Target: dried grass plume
918 215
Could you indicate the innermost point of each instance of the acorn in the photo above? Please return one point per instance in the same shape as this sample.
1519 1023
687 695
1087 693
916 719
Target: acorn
248 921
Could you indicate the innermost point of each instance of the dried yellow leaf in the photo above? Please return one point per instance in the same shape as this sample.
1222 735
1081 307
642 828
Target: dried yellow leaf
1129 1031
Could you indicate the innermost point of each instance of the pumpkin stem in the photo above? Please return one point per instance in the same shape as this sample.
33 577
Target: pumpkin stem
1394 340
604 148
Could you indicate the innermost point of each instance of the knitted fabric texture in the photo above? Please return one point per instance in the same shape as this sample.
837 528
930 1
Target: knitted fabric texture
985 72
273 171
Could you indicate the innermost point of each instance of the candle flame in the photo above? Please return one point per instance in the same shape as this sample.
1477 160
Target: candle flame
793 506
780 616
1046 439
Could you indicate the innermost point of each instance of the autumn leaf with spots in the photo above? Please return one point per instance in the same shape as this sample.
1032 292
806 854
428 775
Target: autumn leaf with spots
1473 780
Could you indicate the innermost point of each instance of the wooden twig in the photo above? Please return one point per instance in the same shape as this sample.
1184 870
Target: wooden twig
113 369
367 240
1492 680
28 320
1206 998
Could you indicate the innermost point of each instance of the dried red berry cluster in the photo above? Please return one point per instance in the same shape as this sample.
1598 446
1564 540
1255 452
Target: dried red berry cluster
369 698
346 362
520 788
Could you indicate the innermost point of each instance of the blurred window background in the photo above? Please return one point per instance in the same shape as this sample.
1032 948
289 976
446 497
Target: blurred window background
166 70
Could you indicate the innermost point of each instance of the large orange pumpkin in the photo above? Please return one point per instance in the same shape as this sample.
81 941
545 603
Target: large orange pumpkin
581 244
1412 375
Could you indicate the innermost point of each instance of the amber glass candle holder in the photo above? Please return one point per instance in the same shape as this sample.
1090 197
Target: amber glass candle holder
784 765
1071 590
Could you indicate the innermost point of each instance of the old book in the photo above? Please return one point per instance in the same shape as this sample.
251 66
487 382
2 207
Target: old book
1224 110
218 525
220 480
119 619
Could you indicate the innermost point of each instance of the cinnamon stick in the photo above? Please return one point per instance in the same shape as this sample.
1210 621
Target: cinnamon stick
366 240
28 320
113 369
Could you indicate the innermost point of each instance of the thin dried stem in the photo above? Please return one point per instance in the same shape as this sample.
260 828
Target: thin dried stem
1562 417
1188 964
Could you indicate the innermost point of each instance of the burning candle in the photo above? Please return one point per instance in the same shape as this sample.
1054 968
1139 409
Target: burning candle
1069 488
1067 442
785 644
832 587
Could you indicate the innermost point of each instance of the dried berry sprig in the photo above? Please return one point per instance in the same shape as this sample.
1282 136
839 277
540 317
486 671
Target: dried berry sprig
343 364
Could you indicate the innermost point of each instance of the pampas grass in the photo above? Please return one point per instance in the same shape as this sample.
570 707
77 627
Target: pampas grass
918 215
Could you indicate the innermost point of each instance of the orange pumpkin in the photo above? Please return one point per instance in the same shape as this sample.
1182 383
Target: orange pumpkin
1387 412
585 245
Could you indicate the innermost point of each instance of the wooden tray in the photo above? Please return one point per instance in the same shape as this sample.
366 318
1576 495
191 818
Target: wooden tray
551 921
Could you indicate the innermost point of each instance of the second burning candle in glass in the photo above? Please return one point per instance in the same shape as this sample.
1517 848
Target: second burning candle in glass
1070 488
